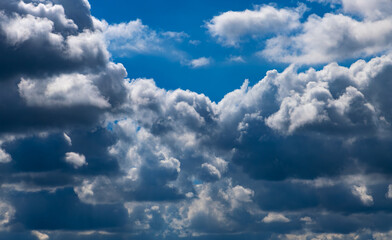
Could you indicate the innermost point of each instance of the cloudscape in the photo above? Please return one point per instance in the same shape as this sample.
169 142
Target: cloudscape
195 120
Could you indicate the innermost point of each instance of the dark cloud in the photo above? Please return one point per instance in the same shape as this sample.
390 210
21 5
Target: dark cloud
63 210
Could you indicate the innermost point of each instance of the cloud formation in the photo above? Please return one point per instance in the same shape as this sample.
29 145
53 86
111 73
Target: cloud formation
87 153
230 28
356 29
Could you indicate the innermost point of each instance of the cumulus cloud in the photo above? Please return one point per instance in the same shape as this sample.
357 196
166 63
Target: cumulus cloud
231 28
53 12
330 38
275 217
357 29
75 159
64 90
19 29
378 9
260 163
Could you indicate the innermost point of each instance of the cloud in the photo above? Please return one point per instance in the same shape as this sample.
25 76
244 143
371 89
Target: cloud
4 157
389 193
53 12
39 235
7 212
77 160
20 29
333 37
64 90
200 62
362 193
238 59
285 37
231 28
261 163
378 9
275 217
67 139
132 38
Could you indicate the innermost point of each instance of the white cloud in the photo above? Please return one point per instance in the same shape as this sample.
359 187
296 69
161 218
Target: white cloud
48 10
242 194
19 29
231 28
128 39
211 170
4 157
86 45
171 163
6 214
63 90
374 9
132 37
40 235
200 62
389 193
75 159
332 2
275 217
362 192
67 139
330 38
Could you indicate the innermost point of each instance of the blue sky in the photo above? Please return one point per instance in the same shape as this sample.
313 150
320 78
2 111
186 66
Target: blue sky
195 120
190 17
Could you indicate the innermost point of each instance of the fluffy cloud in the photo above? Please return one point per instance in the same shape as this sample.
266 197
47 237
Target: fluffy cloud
230 28
261 163
378 9
330 38
65 90
20 29
357 29
77 160
132 38
275 217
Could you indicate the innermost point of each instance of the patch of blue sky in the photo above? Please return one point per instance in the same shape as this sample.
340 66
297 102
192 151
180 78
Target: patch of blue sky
227 68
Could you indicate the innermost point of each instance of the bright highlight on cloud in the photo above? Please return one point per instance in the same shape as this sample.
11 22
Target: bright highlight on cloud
88 152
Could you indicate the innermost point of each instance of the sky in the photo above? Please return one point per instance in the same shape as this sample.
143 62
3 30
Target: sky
195 120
